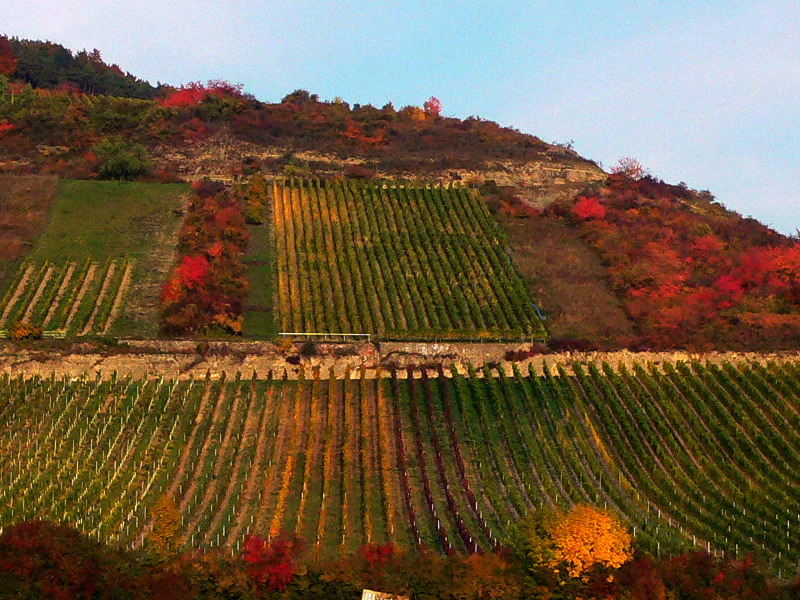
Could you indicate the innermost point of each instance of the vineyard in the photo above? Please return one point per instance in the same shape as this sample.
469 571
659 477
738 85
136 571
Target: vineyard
689 455
66 299
399 261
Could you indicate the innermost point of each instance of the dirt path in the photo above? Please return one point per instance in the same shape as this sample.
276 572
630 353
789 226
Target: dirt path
20 289
256 472
117 306
328 472
251 423
391 484
112 268
184 459
62 289
48 274
81 293
275 467
221 461
314 448
204 450
288 470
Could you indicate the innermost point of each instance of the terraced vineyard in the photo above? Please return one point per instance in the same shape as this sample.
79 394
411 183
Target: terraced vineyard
688 454
66 299
398 261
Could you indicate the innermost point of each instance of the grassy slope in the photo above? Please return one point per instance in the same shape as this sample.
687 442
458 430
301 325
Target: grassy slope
105 220
259 320
24 204
565 276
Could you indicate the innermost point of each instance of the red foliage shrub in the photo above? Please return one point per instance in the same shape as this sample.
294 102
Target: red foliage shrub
589 208
206 289
46 560
8 62
5 127
194 93
205 188
271 565
192 271
692 278
432 106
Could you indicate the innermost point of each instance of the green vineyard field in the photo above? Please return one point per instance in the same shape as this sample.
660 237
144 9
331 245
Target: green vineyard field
397 261
67 299
689 455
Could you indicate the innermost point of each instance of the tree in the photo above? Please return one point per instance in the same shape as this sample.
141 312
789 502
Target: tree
120 160
166 534
629 167
553 543
8 62
432 107
588 536
589 207
39 559
271 565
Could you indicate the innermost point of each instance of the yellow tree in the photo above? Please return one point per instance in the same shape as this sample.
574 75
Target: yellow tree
166 533
587 536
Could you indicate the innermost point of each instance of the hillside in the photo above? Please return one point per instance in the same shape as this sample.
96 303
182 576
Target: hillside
94 258
378 329
56 107
415 459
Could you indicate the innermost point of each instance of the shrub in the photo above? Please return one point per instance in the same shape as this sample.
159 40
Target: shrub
308 349
120 160
25 331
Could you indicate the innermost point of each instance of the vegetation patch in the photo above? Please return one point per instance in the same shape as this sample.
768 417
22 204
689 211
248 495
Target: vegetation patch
93 225
206 289
688 272
25 202
66 299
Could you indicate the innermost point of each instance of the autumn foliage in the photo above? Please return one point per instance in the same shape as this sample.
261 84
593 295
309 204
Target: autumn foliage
49 561
589 208
432 107
205 291
167 524
690 273
588 536
272 565
195 92
8 62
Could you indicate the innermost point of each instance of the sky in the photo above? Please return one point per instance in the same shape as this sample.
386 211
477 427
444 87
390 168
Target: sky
706 92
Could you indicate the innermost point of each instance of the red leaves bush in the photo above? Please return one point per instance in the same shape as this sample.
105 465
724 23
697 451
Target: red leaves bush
204 292
271 565
689 273
195 92
589 207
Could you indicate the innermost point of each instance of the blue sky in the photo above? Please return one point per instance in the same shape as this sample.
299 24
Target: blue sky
705 92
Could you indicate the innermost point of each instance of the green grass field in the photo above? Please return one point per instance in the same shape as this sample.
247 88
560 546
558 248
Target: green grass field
259 320
102 221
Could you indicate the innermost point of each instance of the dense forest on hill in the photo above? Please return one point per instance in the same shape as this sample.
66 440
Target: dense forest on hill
49 65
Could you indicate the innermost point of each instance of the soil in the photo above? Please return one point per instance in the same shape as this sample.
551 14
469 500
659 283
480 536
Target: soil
568 281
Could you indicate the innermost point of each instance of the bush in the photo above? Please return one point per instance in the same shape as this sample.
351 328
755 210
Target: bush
25 331
308 349
120 160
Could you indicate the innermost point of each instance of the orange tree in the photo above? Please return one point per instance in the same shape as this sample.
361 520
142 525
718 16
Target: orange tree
573 543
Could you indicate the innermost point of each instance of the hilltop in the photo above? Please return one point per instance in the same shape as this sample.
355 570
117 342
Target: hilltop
218 130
